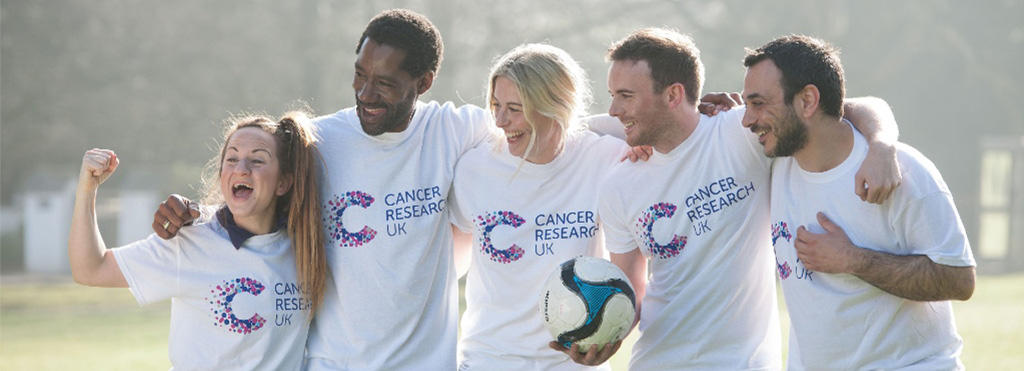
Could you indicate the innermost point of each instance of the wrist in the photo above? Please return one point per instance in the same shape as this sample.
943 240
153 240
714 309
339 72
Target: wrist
860 260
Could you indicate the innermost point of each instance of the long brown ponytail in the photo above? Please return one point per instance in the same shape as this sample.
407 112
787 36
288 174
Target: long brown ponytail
301 205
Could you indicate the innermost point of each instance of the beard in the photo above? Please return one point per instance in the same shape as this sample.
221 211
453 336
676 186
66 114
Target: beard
395 119
790 135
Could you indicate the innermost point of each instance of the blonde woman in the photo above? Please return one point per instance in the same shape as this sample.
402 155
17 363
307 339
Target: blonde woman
246 283
529 199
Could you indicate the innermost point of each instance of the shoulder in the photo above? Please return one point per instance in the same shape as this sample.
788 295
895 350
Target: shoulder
589 147
324 125
482 155
448 112
920 176
345 115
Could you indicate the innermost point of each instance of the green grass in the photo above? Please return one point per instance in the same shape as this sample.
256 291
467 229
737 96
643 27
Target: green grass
61 326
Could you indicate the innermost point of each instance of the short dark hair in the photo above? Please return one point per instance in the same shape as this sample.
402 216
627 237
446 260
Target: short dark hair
411 32
672 57
805 60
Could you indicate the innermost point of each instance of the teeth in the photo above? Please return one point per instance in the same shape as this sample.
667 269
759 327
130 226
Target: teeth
629 124
514 134
241 186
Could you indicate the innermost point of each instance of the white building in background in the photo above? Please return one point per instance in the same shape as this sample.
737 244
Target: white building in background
999 243
124 212
46 204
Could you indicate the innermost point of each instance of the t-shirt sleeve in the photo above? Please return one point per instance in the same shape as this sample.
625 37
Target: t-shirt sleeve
614 221
474 124
151 267
604 124
931 226
742 138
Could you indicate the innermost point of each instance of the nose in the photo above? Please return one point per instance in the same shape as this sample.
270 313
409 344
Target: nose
615 109
502 118
243 167
364 91
748 119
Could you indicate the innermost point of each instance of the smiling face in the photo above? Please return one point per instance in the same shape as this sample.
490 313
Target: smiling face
385 93
250 178
509 116
641 110
778 127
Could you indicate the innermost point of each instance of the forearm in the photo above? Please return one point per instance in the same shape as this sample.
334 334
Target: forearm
91 263
915 277
462 245
85 244
873 118
634 265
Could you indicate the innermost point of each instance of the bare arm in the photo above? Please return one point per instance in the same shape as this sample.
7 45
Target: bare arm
879 175
463 244
913 277
91 263
634 265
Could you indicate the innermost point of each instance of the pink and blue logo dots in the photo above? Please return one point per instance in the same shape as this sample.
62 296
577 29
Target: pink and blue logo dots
333 211
645 225
486 224
781 230
224 294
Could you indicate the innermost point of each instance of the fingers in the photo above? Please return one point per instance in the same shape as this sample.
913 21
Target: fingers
861 188
99 160
558 346
878 195
638 153
709 109
825 222
736 97
173 214
596 355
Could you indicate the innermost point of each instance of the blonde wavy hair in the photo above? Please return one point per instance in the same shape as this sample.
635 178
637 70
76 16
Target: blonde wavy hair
550 83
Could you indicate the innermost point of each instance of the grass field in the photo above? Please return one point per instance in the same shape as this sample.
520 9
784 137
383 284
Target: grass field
61 326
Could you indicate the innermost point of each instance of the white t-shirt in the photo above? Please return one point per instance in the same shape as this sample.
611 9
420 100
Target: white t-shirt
523 227
231 309
838 320
700 215
392 299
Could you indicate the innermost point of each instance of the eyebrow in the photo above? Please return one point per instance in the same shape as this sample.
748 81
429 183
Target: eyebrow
386 78
753 96
253 151
620 91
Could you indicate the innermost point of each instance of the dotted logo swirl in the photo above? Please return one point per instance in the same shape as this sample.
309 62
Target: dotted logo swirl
486 223
781 230
221 298
333 211
646 223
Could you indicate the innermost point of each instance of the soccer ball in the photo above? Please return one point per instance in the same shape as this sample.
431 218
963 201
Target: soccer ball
588 301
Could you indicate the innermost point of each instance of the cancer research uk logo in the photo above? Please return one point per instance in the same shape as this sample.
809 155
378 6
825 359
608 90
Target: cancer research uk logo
781 230
645 225
399 209
486 223
333 211
221 297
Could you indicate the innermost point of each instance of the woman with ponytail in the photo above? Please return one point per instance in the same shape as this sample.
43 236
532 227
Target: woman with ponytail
246 282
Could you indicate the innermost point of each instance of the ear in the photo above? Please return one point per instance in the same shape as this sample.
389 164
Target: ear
676 94
283 185
806 101
424 83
